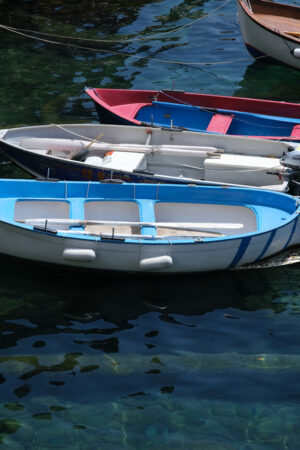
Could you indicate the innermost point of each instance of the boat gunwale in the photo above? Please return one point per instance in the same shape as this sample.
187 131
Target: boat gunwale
188 240
174 240
205 97
108 173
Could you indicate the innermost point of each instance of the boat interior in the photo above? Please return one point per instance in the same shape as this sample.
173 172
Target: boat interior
167 162
279 17
216 121
142 219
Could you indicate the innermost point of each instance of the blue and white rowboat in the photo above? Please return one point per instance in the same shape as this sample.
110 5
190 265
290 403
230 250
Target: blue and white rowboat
144 227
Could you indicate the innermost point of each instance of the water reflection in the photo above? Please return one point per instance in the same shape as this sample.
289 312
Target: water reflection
88 357
46 295
270 82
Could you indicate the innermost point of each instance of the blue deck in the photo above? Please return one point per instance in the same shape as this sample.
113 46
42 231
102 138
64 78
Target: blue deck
195 118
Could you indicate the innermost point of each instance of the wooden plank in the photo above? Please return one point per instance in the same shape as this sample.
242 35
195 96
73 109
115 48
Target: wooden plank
219 123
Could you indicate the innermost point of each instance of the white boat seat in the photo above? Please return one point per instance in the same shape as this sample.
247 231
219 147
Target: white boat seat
242 169
94 161
127 161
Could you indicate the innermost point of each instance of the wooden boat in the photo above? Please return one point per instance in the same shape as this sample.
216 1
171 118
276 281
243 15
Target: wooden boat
144 227
198 112
137 154
271 30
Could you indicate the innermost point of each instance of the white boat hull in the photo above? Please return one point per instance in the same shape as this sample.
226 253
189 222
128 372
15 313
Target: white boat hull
139 154
125 257
261 42
144 227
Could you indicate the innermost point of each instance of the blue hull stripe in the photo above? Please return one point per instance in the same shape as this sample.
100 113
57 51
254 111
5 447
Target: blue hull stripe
266 247
292 233
241 250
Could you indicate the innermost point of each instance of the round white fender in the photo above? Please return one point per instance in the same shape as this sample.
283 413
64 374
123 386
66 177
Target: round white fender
159 262
296 52
79 254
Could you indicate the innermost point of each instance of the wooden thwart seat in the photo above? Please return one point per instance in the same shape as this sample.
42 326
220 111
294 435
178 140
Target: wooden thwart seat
129 110
219 123
296 132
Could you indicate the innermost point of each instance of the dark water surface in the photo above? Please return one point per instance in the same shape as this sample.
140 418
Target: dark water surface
103 361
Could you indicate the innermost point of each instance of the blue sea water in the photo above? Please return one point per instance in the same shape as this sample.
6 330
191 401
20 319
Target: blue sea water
104 361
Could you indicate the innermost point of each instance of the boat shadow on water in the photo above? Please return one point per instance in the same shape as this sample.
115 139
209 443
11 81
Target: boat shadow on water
45 294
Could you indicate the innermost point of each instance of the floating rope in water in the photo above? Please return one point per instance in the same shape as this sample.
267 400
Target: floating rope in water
154 36
24 33
131 55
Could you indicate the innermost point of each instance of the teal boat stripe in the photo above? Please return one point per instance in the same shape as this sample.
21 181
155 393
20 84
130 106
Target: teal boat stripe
266 247
241 250
292 232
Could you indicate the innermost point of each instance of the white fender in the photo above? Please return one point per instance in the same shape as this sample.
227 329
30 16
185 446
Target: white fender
79 254
159 262
296 52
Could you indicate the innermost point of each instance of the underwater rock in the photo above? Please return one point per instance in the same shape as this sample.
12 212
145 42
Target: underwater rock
127 364
167 389
56 434
22 391
227 410
272 429
27 432
235 426
57 383
10 443
58 408
2 379
244 411
79 427
88 368
9 303
39 344
14 406
8 426
42 416
51 110
263 412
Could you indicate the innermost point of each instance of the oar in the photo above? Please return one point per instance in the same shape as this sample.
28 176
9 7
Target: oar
94 140
189 226
131 236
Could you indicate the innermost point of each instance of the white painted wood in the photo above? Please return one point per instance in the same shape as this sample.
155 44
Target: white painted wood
46 208
220 216
251 170
96 210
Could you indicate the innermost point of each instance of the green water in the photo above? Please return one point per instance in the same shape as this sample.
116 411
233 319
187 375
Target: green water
100 361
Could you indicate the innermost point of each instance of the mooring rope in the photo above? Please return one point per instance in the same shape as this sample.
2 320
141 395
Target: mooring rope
131 55
154 36
24 33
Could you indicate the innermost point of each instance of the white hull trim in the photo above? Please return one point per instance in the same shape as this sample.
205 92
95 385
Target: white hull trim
144 257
